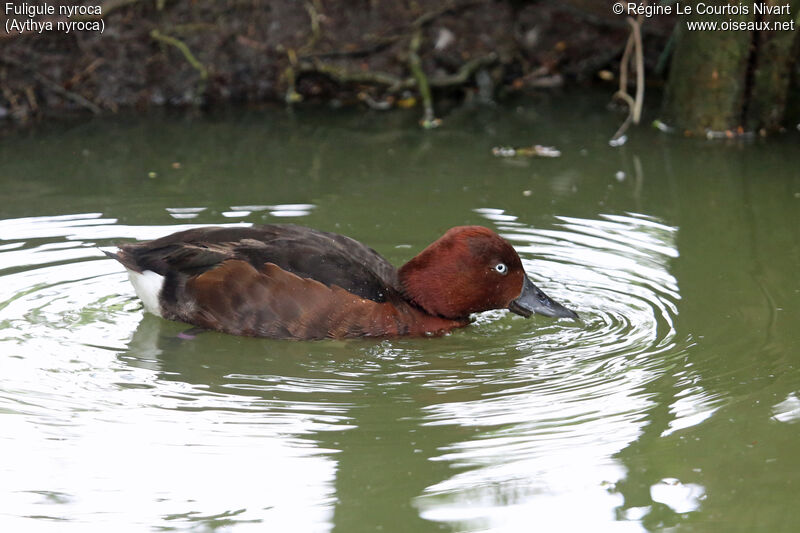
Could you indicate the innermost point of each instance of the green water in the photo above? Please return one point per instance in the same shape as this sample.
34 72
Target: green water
674 406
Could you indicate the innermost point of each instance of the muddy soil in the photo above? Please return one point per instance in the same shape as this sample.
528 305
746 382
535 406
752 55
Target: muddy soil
144 53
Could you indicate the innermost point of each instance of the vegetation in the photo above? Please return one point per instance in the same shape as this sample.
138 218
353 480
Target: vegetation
384 54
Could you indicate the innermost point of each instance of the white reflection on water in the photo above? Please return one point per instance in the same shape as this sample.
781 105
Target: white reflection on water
552 424
788 410
135 466
99 430
90 442
182 213
677 496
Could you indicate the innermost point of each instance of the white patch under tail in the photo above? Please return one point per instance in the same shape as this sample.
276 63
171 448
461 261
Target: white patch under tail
148 287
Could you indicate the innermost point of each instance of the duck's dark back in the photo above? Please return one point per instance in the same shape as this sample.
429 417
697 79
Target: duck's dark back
329 258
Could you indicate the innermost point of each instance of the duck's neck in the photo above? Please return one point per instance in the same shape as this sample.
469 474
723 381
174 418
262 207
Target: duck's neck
424 284
415 321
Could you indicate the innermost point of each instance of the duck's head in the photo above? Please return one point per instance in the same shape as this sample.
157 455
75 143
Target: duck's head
472 269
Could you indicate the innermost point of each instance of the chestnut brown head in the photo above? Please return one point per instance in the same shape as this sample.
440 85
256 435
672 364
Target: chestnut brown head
472 269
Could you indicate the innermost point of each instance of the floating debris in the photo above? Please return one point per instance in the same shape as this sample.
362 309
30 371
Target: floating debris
662 126
738 133
536 150
618 141
502 151
430 124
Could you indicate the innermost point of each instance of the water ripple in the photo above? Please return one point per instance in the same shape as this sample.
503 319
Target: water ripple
576 395
85 405
544 404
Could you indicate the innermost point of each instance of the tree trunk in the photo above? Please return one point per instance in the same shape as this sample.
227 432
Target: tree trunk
793 104
724 79
772 72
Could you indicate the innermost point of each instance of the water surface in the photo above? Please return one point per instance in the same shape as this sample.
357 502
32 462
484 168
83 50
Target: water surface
674 404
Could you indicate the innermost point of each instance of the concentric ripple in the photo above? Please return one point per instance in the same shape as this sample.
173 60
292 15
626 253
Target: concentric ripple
94 391
577 394
619 267
92 407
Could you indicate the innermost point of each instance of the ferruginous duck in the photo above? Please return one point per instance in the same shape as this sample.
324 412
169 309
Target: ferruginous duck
292 282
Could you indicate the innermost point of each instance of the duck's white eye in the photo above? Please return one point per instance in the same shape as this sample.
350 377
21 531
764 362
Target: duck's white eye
501 268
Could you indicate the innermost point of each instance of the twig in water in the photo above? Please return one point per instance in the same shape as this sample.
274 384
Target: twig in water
637 35
429 119
292 96
634 44
619 138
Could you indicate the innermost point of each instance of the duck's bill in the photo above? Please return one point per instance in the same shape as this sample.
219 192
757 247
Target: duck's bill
533 300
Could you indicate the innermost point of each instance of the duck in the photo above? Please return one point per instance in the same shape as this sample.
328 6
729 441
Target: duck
285 281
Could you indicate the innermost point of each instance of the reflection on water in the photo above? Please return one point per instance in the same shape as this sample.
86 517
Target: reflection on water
674 402
549 419
677 496
788 410
89 420
553 422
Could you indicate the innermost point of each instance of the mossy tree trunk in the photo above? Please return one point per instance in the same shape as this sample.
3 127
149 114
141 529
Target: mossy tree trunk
774 60
793 103
725 79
